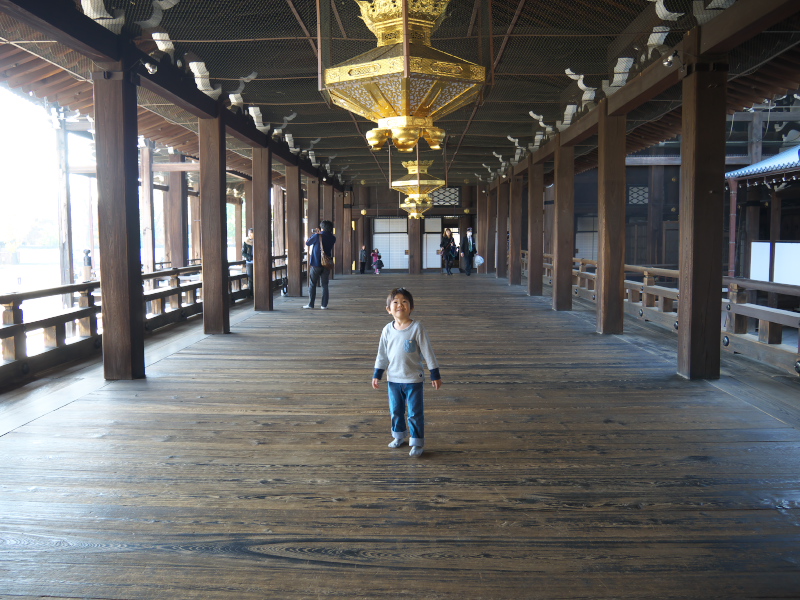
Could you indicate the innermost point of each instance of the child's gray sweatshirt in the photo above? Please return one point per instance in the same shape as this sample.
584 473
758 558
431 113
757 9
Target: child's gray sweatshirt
400 353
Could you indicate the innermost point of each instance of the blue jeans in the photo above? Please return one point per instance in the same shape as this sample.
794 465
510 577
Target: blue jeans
400 396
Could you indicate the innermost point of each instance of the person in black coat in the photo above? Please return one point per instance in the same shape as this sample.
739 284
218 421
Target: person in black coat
449 250
468 250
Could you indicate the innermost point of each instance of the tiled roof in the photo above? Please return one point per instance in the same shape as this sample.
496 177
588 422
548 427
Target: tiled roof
788 159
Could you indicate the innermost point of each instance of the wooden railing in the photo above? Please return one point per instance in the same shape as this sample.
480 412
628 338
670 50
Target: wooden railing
170 296
749 329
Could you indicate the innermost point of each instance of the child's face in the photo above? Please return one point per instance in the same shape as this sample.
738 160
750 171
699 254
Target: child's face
399 307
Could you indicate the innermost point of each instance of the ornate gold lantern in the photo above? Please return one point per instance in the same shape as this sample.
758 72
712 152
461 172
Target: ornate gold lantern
417 185
404 84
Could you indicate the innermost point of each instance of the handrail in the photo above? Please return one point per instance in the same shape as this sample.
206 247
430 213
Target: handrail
763 286
169 303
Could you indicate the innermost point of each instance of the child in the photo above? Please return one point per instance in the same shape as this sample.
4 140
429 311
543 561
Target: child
375 257
404 343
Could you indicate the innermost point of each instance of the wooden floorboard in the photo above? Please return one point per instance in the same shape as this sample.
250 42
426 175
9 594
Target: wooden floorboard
558 464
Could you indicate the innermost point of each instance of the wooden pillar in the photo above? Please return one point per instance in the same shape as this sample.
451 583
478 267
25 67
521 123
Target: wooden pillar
701 218
415 246
535 229
515 230
115 115
279 219
347 234
295 244
752 223
313 203
146 209
491 231
733 227
482 233
611 194
755 135
338 223
260 208
214 229
501 251
775 209
194 218
238 224
563 226
327 202
248 204
655 213
176 218
65 214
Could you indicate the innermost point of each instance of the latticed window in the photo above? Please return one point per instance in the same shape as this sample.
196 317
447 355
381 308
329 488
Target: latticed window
450 196
638 194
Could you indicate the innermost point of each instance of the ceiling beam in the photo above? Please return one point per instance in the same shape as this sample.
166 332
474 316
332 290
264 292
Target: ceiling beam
64 23
743 21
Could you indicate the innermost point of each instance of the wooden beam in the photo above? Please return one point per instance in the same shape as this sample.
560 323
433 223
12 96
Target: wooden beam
213 222
260 205
701 220
295 244
743 21
535 229
545 152
62 22
648 84
582 129
516 186
118 224
611 192
564 227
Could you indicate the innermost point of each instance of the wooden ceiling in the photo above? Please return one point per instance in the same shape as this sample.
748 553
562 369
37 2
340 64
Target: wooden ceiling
529 44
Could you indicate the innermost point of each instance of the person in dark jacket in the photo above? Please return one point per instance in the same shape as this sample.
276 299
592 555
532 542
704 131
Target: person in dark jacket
468 250
363 257
449 250
320 242
247 255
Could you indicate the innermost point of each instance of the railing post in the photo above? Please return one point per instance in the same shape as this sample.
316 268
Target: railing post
175 282
648 300
55 336
14 348
737 323
769 332
87 326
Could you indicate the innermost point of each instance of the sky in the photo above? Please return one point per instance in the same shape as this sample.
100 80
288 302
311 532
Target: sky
28 165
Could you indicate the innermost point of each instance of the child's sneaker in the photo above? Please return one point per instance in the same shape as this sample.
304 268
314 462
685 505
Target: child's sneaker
415 451
396 442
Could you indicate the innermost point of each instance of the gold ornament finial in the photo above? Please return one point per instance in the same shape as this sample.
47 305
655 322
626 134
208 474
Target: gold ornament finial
384 18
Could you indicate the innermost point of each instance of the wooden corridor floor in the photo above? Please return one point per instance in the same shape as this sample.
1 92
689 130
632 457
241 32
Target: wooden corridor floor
558 464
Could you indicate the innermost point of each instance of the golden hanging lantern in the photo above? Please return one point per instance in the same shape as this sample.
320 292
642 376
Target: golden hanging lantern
404 84
418 186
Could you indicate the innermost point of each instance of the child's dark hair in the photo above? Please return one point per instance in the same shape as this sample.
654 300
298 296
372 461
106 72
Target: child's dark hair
402 291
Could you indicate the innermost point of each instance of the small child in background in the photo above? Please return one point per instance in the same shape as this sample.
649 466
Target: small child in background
404 343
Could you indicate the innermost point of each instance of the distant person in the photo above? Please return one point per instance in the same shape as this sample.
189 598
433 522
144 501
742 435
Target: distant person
449 250
247 255
320 242
468 250
376 256
363 257
404 344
